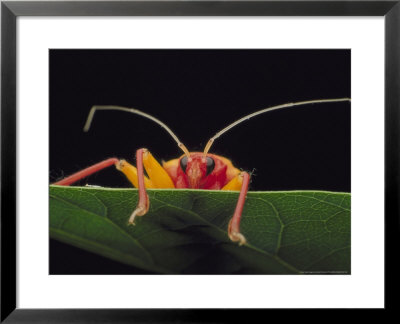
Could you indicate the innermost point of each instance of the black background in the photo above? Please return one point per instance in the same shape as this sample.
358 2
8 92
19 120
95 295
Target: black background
197 93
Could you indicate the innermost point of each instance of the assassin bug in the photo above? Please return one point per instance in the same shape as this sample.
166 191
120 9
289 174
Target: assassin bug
195 170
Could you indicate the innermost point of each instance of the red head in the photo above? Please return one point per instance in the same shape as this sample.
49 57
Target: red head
201 172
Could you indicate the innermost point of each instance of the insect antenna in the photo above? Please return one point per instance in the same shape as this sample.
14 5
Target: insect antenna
136 112
247 117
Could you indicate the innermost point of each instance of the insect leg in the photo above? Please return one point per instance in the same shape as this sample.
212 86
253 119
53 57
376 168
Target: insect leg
86 172
158 178
143 203
233 227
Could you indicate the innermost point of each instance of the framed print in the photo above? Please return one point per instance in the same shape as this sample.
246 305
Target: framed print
263 160
208 78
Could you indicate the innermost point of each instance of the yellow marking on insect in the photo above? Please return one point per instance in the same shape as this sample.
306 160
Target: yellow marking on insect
235 184
157 174
131 173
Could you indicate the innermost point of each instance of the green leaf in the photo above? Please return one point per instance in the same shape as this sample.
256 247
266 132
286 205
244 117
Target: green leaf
185 231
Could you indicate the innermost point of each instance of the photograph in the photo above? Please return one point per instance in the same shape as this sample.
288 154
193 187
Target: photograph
200 161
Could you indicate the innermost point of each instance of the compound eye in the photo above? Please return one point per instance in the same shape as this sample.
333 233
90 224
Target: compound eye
183 163
210 165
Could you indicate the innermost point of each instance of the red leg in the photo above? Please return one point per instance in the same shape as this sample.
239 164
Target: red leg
234 223
87 172
143 203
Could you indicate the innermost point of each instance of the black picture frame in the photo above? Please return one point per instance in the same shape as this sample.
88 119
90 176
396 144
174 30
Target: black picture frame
10 10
